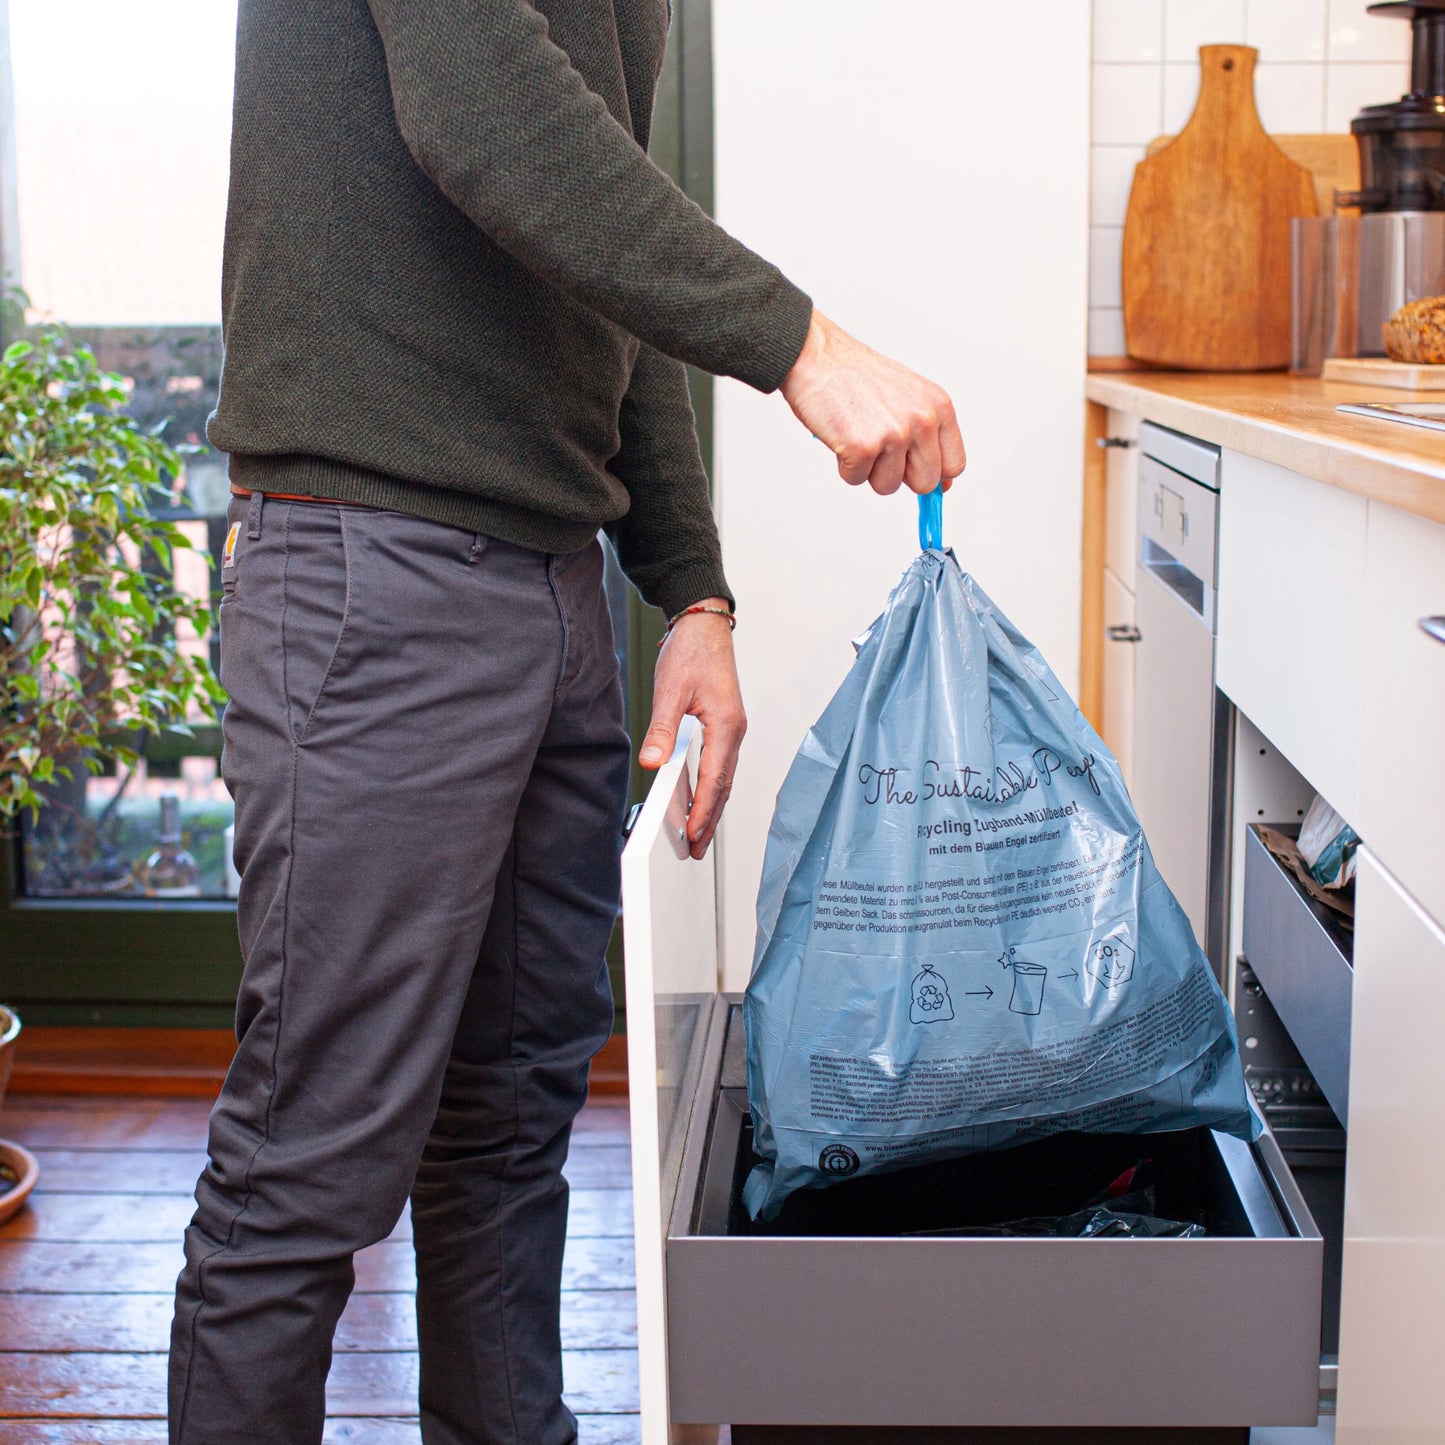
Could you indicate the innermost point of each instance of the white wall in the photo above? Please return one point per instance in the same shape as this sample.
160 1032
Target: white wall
921 167
1320 61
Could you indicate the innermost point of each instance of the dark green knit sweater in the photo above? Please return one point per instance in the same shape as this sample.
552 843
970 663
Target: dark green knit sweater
456 286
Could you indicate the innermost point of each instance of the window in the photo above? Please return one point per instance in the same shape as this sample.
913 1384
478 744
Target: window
113 213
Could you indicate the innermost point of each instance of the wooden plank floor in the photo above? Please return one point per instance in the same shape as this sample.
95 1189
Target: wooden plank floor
87 1271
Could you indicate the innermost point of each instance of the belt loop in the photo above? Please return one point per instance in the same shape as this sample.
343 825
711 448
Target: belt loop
253 515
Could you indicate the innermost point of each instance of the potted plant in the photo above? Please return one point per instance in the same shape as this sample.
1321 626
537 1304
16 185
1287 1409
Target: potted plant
90 663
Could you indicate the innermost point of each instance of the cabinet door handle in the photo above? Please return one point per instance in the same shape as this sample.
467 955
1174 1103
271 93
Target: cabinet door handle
1123 633
1434 626
1108 442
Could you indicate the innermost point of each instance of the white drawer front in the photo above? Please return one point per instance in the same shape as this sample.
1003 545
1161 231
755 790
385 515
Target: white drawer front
1401 811
1392 1323
669 923
1291 631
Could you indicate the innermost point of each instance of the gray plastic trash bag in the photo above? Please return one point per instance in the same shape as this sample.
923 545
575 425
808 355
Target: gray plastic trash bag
963 941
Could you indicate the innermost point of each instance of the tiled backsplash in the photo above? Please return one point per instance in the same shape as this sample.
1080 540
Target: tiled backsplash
1319 62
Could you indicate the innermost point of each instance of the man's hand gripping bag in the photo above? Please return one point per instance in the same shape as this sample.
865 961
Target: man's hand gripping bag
963 941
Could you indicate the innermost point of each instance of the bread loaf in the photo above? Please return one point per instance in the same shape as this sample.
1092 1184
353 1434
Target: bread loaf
1416 332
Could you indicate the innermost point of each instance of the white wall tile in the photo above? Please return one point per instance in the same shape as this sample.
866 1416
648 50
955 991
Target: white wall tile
1354 35
1129 30
1126 104
1348 88
1181 90
1111 176
1106 259
1286 30
1106 332
1135 99
1290 98
1188 24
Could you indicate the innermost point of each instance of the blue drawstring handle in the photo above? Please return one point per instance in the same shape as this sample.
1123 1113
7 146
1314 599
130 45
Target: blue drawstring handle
930 520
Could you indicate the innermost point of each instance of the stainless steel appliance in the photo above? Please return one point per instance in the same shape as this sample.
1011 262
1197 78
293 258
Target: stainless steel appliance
1402 181
1182 724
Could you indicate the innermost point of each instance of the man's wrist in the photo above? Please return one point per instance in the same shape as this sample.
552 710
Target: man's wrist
810 358
710 611
706 608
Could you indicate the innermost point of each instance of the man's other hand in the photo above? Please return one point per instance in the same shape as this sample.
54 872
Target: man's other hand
696 674
886 425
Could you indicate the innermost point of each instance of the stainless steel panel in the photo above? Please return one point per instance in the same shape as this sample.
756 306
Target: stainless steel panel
1174 737
1296 951
1184 454
1180 519
1402 258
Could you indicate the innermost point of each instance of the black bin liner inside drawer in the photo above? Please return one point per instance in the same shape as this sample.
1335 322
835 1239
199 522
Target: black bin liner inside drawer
1050 1177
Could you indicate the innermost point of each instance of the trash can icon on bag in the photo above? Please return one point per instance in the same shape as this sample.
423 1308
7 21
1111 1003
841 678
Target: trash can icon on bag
1029 979
1028 994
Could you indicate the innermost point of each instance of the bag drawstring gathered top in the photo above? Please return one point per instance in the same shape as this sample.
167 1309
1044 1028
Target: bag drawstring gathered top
963 941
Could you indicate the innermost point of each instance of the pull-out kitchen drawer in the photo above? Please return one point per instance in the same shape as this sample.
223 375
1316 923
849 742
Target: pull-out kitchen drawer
851 1313
1301 953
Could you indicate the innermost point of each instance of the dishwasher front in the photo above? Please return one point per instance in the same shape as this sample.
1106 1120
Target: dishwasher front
852 1317
1182 724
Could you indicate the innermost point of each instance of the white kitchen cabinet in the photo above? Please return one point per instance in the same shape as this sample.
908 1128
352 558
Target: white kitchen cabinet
1291 628
1121 505
1393 1307
1402 732
1120 650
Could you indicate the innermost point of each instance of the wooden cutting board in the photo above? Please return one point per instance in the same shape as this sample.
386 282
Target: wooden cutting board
1206 236
1332 160
1378 371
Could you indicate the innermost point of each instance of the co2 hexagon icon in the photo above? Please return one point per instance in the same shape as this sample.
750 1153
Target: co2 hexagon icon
1111 961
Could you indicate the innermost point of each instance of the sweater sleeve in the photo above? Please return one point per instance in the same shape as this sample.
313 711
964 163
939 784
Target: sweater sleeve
496 115
668 542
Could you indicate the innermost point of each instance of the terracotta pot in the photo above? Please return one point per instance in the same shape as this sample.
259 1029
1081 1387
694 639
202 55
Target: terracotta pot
9 1032
22 1161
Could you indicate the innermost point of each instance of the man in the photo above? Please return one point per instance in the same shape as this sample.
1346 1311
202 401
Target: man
457 300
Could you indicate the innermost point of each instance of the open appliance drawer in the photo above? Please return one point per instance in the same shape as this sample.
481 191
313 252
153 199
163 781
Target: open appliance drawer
851 1315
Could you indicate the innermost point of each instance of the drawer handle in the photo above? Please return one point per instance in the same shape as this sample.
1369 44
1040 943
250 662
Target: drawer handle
1107 442
1121 632
1434 626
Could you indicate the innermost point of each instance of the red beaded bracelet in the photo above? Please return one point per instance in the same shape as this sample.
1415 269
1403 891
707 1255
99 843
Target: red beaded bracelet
700 611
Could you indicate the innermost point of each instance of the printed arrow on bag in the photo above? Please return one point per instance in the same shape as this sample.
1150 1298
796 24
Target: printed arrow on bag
984 992
1073 973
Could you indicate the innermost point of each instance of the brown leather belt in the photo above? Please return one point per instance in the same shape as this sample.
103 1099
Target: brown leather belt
296 497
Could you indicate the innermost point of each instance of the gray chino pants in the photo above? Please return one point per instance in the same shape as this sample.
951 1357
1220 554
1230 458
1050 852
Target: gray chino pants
425 745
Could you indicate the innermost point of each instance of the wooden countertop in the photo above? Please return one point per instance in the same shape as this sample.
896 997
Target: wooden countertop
1292 421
